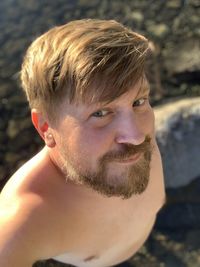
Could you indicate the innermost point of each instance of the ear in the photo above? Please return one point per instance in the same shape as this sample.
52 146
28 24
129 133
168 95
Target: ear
42 126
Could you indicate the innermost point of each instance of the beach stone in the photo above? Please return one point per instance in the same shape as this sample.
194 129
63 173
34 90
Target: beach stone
195 3
26 138
3 124
187 57
12 157
2 137
184 215
15 126
88 3
2 172
158 30
137 16
5 90
17 100
173 4
178 132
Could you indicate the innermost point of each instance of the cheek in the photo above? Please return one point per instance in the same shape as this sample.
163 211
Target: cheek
147 120
68 138
95 141
90 145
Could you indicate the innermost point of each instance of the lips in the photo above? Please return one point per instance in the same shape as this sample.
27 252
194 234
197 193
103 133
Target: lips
131 159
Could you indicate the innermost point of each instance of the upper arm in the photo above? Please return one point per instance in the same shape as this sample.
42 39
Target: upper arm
23 233
14 238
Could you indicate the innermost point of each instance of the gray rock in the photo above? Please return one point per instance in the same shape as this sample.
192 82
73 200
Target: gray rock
178 136
182 57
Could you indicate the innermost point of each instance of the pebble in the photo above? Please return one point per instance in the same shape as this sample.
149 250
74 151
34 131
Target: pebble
173 3
137 16
12 157
158 30
16 126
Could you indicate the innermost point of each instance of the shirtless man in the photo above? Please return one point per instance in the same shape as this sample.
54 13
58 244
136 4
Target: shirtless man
90 196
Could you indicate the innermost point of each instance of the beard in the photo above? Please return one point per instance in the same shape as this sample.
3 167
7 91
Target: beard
132 179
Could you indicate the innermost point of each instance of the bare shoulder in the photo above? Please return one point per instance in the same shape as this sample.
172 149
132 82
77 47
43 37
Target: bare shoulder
29 215
29 229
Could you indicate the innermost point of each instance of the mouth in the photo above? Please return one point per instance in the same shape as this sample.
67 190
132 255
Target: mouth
130 160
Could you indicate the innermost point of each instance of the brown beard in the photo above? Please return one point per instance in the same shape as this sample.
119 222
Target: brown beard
134 180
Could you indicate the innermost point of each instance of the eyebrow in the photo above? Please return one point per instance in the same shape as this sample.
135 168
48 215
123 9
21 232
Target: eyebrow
145 88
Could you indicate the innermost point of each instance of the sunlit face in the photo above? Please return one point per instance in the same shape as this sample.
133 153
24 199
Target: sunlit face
108 147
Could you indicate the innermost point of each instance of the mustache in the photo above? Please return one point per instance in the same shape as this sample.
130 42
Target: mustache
129 150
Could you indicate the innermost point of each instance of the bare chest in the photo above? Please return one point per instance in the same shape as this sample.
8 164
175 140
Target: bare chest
101 238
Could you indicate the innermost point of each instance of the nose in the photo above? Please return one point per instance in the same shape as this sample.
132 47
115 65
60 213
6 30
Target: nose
129 131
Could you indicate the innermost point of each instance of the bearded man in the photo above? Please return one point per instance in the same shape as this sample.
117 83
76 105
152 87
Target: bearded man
91 195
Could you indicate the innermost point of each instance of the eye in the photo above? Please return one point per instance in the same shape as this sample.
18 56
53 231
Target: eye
100 113
140 102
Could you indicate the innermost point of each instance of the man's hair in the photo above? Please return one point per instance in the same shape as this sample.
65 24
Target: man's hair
83 60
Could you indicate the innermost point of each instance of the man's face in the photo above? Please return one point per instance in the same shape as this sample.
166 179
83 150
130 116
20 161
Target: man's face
108 147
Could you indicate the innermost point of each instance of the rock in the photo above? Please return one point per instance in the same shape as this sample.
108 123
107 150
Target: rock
20 112
12 157
158 30
2 136
84 3
12 130
17 100
173 3
184 215
182 207
5 90
15 126
2 172
193 90
185 194
187 55
178 132
26 140
137 16
3 124
194 3
194 19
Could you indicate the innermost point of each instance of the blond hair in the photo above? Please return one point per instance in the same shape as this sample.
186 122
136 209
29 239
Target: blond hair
83 60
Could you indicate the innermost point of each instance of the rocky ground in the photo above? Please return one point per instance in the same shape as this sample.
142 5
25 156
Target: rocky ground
173 26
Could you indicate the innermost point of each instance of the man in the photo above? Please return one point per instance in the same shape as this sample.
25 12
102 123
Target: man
91 196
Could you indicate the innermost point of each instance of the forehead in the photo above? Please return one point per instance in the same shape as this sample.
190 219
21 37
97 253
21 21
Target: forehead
140 87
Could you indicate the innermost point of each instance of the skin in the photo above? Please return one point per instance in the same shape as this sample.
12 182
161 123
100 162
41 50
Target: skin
47 211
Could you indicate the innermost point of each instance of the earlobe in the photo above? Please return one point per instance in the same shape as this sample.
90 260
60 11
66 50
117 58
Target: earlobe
42 126
49 139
